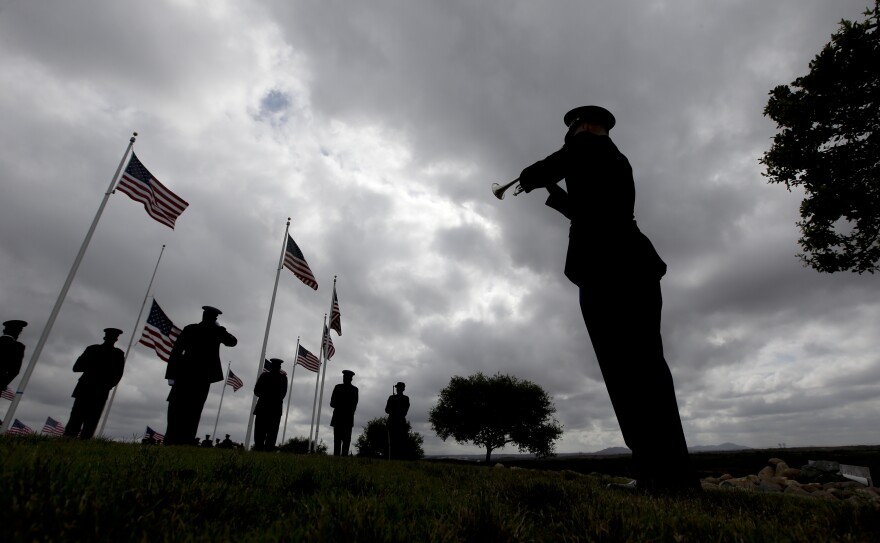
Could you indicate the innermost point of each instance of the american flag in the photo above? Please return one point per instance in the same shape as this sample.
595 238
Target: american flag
140 185
234 381
154 435
329 349
7 394
268 365
335 316
159 333
307 360
19 428
296 262
53 427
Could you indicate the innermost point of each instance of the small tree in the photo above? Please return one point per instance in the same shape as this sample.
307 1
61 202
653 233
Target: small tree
828 143
373 442
300 445
492 412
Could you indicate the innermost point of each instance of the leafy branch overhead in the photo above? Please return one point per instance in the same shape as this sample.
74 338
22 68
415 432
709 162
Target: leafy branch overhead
828 143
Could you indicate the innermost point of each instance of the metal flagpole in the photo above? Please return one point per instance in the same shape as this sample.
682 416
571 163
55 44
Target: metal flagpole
247 439
325 341
131 341
312 430
10 414
226 382
290 391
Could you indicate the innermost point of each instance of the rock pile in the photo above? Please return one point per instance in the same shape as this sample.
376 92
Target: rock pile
818 480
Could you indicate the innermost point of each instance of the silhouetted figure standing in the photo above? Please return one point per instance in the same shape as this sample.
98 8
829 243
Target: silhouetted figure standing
194 363
11 352
618 272
344 402
397 407
271 388
207 443
101 367
226 443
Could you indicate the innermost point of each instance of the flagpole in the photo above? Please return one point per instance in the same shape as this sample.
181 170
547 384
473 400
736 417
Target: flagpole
7 420
131 341
325 342
322 361
247 439
223 391
290 391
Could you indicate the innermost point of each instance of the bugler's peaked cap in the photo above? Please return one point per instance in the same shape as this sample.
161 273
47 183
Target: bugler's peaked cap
347 372
113 331
276 361
213 310
591 114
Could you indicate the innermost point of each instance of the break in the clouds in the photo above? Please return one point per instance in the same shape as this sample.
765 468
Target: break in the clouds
378 129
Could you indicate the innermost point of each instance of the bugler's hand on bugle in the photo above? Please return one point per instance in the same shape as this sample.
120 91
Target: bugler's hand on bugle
498 189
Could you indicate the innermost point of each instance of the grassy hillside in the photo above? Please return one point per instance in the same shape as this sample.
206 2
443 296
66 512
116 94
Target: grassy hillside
67 490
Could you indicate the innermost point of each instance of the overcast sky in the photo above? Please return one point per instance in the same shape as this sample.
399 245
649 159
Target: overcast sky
378 128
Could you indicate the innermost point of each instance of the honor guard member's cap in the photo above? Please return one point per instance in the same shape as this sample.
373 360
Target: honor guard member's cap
590 114
399 385
209 309
113 331
276 361
347 372
15 324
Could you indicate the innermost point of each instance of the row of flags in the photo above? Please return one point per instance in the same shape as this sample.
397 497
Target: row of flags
160 333
52 428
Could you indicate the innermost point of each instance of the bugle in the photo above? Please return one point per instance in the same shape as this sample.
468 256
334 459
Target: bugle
498 189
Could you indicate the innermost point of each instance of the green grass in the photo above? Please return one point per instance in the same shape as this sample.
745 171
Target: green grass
61 490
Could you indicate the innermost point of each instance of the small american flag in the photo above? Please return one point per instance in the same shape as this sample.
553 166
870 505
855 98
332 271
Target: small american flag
53 427
159 333
154 435
268 365
19 428
335 316
296 262
329 349
234 381
307 360
7 394
140 185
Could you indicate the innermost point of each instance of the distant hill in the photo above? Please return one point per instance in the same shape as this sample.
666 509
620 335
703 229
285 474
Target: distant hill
610 451
722 447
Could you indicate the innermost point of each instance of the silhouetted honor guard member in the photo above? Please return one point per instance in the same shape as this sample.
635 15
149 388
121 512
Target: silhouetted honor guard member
618 272
396 407
194 363
11 352
101 367
271 388
344 402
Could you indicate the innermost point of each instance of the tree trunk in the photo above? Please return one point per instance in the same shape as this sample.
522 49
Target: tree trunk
488 454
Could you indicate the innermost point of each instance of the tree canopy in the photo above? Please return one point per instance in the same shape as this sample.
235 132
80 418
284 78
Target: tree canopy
373 442
495 411
829 143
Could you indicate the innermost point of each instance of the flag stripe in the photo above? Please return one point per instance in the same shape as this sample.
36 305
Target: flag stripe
335 315
154 435
295 261
7 394
307 360
234 381
159 333
19 428
159 202
329 349
53 427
